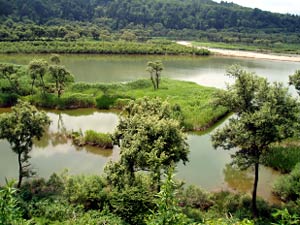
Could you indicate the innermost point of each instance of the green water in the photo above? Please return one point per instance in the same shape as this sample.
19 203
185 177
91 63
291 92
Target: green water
207 167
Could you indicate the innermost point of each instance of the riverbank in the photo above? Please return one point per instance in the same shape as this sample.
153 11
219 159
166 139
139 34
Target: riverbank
245 54
100 47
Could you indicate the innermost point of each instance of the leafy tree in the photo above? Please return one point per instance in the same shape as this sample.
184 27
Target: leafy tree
55 59
60 75
155 68
37 69
150 140
7 71
264 113
19 128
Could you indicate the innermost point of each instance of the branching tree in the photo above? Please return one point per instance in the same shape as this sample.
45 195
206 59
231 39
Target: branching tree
19 128
37 69
7 71
55 59
60 75
264 113
155 68
150 140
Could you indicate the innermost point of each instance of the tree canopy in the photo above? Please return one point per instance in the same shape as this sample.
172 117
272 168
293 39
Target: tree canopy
150 139
19 128
264 114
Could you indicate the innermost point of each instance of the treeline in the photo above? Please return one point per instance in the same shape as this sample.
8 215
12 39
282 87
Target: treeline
93 47
141 20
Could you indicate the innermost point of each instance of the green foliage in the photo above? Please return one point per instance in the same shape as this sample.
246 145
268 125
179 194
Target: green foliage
105 101
168 211
155 68
10 213
282 158
7 100
60 76
288 187
98 139
195 197
283 217
55 210
88 191
37 69
94 47
132 203
295 80
95 217
149 138
19 128
265 114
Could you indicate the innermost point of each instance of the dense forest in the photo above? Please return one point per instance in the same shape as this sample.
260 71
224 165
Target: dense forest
201 19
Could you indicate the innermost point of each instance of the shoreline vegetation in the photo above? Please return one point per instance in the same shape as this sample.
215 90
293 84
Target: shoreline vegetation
194 103
242 50
155 47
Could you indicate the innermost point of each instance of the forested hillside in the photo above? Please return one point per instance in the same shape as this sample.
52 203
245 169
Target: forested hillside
145 18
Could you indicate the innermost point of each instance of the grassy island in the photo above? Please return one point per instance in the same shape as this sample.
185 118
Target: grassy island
192 100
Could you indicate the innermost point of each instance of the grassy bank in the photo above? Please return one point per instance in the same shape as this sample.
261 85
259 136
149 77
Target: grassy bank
99 47
193 100
272 48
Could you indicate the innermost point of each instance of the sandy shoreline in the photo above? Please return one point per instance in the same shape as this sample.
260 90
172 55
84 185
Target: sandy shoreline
246 54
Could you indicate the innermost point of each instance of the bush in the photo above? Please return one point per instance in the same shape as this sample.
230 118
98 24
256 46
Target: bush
95 217
7 100
54 210
288 187
195 197
88 191
98 139
105 101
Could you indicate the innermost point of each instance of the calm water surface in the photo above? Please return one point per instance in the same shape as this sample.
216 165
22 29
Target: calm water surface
207 71
207 167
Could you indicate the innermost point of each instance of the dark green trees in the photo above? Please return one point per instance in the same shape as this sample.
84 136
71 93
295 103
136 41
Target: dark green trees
264 113
19 128
155 68
150 140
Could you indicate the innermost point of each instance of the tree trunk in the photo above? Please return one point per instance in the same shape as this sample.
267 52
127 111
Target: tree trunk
153 82
20 170
157 80
32 86
254 193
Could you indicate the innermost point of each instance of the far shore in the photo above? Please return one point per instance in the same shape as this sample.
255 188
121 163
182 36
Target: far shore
246 54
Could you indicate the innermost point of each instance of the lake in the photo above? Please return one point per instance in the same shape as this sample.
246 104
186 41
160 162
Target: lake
207 167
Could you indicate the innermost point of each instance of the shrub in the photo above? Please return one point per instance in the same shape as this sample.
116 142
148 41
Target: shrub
105 101
10 213
288 187
88 191
195 197
7 100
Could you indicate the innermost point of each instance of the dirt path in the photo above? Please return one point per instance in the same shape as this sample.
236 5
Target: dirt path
247 54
